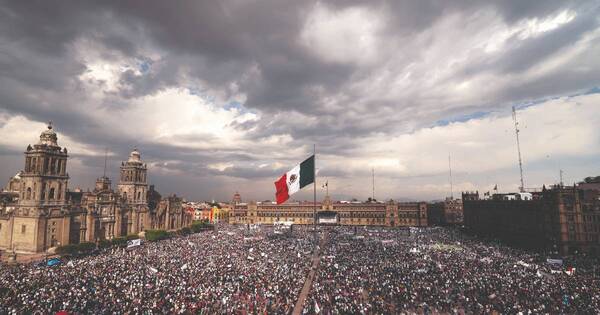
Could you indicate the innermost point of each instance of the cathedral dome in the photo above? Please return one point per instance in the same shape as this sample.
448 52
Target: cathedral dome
135 156
48 137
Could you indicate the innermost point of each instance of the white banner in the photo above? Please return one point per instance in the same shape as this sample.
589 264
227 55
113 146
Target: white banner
328 220
134 243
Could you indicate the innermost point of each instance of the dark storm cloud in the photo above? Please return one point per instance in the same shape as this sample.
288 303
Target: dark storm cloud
253 48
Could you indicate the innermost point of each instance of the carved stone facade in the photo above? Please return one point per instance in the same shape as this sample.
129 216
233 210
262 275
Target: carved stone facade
105 214
37 211
170 214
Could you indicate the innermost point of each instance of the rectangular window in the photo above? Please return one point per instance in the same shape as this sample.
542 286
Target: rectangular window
23 227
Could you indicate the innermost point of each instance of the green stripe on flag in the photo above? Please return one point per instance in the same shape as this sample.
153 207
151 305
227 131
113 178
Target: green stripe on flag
307 171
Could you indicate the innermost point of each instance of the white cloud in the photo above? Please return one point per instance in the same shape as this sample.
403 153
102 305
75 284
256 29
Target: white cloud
536 26
344 36
220 166
561 128
18 131
175 117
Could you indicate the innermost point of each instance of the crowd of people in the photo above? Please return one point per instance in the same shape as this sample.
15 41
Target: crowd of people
236 270
436 270
229 271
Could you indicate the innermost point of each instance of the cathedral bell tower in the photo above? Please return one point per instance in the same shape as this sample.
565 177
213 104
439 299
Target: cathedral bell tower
132 189
132 184
42 218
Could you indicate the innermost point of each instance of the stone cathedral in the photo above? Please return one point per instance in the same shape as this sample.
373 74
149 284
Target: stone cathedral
38 211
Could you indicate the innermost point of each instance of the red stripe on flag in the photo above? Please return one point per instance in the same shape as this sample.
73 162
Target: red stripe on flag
281 190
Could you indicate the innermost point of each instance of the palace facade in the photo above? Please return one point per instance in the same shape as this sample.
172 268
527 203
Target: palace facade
391 213
38 211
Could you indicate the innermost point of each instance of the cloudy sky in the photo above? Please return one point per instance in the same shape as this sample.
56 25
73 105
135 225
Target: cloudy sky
225 96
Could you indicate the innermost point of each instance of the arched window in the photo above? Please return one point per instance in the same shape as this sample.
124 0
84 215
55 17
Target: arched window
34 189
125 195
139 195
51 194
28 193
58 196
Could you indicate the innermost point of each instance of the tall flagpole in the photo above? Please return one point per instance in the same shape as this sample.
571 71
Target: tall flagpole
315 192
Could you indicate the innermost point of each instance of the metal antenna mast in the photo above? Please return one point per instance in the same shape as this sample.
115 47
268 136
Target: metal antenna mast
105 158
561 178
373 175
315 192
450 168
514 115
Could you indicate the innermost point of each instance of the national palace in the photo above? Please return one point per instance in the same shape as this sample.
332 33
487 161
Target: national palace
328 212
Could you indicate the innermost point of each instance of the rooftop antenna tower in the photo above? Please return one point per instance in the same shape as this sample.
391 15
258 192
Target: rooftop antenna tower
514 115
105 158
373 175
450 169
561 178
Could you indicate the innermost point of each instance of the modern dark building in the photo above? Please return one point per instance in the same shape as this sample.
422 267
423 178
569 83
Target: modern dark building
563 218
447 212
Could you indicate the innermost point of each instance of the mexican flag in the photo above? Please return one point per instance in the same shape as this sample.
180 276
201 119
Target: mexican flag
294 180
